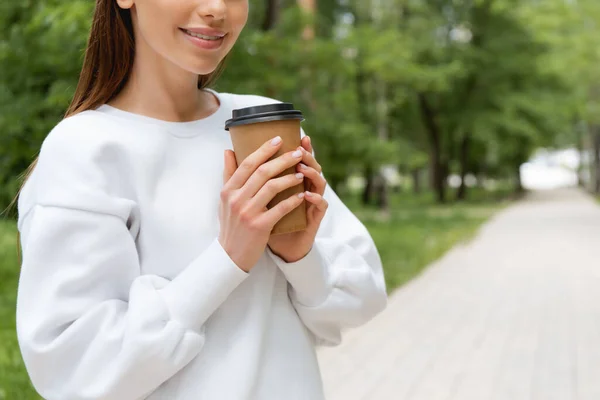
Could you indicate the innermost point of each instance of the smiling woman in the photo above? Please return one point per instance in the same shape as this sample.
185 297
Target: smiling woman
148 269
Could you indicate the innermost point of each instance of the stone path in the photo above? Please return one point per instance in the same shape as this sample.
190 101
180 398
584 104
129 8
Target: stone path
513 315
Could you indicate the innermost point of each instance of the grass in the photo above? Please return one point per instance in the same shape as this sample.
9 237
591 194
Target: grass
415 233
418 231
14 383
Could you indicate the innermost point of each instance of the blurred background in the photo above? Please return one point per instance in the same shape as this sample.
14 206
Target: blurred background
430 117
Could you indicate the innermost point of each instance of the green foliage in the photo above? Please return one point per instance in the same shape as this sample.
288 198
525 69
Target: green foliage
510 74
14 383
41 47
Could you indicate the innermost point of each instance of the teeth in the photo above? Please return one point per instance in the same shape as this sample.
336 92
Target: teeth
198 35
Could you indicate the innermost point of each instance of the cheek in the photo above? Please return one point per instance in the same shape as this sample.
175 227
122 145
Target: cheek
238 16
155 21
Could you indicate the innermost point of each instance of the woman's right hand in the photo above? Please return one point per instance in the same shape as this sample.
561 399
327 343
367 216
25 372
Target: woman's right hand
246 223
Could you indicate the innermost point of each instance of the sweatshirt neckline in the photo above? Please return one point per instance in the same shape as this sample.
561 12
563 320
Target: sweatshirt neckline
179 129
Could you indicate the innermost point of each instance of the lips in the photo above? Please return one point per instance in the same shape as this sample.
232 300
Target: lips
204 36
206 39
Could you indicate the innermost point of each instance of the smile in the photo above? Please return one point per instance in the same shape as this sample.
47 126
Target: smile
201 36
205 41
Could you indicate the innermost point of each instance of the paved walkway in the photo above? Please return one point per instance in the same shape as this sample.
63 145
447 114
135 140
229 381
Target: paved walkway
514 315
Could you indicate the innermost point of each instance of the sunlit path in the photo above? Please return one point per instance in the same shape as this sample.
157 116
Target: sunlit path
513 315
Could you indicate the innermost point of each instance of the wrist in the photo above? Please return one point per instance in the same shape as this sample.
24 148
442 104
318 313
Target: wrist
291 257
237 260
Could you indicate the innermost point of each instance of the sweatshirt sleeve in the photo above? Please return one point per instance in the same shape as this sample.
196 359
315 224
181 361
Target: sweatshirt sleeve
89 325
339 284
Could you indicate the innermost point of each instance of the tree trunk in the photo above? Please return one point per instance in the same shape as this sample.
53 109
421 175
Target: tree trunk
382 135
308 6
438 166
381 189
335 183
579 134
416 177
306 74
369 189
461 193
518 183
271 15
270 19
439 171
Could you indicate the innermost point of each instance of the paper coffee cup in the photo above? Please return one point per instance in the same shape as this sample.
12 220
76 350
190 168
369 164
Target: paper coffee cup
250 128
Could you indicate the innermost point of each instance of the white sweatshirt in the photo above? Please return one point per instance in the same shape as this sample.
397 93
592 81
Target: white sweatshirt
126 294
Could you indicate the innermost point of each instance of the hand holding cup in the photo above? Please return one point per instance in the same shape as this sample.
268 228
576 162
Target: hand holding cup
246 221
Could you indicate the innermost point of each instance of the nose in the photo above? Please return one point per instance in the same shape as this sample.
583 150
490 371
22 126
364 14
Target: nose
212 9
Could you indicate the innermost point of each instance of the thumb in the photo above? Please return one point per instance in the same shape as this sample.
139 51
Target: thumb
230 165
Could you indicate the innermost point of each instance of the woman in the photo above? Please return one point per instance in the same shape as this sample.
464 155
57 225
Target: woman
148 270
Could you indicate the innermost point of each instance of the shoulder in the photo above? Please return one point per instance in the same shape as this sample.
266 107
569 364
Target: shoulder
87 148
247 100
80 133
81 164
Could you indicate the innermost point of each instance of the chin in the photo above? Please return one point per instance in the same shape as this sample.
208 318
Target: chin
199 64
203 69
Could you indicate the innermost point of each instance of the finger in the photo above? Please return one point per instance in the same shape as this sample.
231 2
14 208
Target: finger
307 144
274 187
314 216
270 170
309 159
316 179
283 208
316 210
314 198
253 161
230 165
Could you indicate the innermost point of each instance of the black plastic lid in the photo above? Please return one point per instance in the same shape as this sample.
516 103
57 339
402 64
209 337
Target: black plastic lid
264 113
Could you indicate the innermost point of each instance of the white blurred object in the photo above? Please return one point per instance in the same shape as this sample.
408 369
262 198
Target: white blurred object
454 181
551 170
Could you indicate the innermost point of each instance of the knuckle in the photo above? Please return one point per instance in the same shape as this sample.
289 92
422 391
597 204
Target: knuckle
246 218
224 195
263 170
235 203
247 165
284 207
271 185
255 226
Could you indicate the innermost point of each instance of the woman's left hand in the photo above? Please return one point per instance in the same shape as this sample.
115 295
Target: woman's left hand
292 247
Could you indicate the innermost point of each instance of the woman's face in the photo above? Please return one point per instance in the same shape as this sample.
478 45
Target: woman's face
194 34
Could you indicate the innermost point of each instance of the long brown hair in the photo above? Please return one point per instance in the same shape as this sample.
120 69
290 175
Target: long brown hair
107 64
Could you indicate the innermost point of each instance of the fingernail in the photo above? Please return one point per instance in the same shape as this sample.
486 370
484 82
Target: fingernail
308 139
276 141
309 194
299 175
303 166
301 195
297 154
